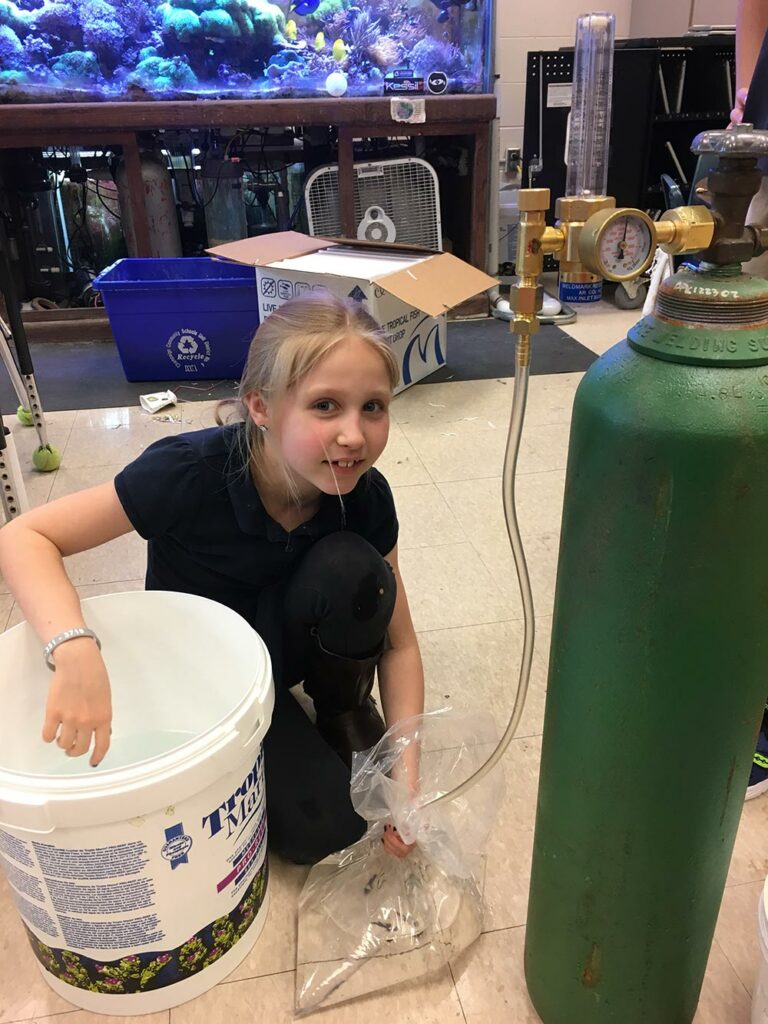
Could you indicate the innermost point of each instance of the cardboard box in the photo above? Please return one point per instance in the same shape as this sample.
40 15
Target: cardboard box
405 289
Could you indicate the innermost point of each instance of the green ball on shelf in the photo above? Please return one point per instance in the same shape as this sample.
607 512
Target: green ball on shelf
46 458
24 416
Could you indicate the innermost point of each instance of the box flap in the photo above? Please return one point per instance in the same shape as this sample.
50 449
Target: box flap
265 249
437 284
357 264
364 243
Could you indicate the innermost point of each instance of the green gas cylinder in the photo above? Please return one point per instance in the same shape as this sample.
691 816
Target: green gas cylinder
659 659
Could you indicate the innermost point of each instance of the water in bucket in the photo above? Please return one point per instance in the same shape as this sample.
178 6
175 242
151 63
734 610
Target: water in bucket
141 883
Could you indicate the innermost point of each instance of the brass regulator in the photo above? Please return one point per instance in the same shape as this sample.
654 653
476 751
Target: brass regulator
593 239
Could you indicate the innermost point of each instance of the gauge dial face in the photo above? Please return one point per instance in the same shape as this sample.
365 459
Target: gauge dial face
624 247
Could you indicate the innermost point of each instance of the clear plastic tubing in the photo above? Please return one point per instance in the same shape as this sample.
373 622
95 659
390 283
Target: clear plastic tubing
590 130
519 399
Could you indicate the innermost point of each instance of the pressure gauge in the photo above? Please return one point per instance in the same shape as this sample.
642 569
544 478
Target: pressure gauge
617 244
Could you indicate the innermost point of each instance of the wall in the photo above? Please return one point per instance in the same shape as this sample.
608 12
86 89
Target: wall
714 12
672 17
543 25
661 17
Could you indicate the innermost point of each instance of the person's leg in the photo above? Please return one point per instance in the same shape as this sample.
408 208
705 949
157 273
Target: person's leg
758 778
339 603
309 810
336 610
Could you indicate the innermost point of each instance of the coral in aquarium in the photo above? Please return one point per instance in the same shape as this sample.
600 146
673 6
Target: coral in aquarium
435 55
385 52
13 17
257 25
158 74
362 32
37 50
327 14
80 67
117 49
11 50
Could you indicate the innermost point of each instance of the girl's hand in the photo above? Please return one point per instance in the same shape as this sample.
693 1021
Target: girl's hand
737 114
79 705
394 844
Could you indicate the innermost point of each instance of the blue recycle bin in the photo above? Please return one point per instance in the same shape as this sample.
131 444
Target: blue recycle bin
180 319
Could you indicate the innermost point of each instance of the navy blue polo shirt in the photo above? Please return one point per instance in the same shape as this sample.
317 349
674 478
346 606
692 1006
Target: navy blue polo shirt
193 499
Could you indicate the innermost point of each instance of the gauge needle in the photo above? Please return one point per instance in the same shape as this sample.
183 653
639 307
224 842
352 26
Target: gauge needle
623 242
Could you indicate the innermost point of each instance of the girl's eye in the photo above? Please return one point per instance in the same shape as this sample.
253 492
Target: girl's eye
374 406
324 405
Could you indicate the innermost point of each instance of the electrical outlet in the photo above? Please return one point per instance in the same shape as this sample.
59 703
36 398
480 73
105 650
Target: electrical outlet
512 163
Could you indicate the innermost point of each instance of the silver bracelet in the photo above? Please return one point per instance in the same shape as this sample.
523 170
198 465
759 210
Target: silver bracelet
61 638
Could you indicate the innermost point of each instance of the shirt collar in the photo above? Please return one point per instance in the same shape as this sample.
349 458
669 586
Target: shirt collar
254 520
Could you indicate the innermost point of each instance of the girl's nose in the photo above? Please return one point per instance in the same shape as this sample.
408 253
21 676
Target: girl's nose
350 433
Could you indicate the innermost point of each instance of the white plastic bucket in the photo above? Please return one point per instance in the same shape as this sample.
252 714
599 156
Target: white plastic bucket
143 882
760 994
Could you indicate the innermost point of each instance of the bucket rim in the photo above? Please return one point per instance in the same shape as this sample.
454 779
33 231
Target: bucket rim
160 766
249 717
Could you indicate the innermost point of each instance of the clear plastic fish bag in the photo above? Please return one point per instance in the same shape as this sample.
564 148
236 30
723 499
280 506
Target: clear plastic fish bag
369 920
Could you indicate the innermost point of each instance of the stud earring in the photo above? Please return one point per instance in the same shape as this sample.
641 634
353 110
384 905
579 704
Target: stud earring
263 428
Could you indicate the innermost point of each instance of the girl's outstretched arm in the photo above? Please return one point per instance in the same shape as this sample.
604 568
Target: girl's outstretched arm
401 676
401 685
31 561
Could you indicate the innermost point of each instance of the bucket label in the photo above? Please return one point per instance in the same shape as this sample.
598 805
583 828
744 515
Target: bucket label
177 845
103 911
188 348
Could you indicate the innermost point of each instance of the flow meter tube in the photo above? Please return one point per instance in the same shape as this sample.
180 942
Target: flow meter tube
587 160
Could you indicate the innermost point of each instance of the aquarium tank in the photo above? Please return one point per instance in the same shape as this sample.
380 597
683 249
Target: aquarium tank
75 50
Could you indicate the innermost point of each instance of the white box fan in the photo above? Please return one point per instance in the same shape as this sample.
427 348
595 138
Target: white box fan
395 201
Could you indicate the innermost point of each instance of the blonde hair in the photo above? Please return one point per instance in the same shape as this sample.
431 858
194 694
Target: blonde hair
288 344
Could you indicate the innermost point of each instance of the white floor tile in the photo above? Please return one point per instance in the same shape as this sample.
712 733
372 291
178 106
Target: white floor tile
749 862
449 586
271 998
119 441
6 604
425 519
477 504
478 667
399 462
737 930
602 326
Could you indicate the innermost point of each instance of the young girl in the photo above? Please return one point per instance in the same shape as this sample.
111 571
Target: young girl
282 517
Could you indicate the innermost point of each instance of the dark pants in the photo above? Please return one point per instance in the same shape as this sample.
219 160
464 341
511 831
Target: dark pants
342 593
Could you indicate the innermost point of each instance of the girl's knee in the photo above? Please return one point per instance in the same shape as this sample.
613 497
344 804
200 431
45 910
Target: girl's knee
344 591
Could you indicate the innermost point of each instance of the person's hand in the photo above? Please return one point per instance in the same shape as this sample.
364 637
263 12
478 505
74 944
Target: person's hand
79 705
394 844
737 114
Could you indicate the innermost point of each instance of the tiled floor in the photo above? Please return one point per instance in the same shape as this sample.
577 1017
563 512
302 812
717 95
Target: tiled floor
444 462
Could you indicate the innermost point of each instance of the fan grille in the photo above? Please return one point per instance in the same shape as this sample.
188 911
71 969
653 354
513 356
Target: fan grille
405 189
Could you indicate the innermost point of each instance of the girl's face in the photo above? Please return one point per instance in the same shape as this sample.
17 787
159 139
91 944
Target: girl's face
332 427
